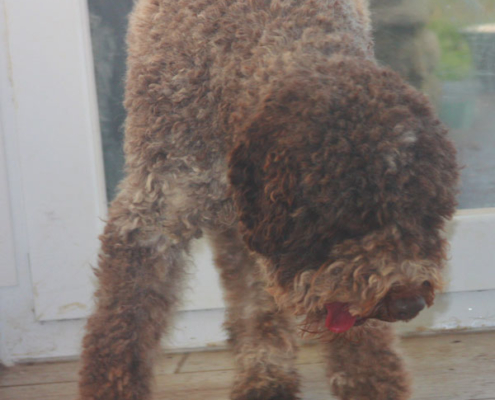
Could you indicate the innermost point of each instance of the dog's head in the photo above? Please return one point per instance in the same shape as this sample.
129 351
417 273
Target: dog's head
342 181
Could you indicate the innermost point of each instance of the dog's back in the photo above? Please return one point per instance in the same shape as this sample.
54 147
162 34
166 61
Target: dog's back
198 71
200 67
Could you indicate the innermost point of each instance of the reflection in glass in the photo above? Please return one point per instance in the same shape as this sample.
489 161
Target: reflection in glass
446 48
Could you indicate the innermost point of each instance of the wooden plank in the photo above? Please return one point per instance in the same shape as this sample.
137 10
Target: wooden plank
446 367
31 374
208 361
205 385
169 363
310 353
454 366
51 391
224 360
446 350
216 385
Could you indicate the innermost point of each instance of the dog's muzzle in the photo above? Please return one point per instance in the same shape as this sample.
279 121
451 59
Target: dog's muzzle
406 308
339 319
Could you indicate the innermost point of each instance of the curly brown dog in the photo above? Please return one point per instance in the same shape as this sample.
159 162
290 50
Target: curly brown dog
321 178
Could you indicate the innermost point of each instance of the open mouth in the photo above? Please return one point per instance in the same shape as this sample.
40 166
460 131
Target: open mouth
339 319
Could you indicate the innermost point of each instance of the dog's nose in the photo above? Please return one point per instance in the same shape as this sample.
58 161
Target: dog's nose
406 307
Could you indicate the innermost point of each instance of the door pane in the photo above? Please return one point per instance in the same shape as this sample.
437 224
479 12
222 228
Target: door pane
446 48
108 28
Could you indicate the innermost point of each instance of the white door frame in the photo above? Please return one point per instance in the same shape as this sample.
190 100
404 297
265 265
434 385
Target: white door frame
8 274
58 198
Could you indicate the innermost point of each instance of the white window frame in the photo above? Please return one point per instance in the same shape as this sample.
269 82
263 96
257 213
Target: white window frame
8 274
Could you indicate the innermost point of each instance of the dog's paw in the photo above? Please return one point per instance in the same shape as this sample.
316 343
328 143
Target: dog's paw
371 387
268 394
273 391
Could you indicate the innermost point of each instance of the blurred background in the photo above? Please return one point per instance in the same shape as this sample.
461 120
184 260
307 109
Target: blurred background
446 48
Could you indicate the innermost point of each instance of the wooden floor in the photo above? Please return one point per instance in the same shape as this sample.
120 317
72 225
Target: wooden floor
449 366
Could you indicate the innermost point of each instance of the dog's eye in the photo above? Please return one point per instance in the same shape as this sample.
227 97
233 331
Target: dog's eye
426 284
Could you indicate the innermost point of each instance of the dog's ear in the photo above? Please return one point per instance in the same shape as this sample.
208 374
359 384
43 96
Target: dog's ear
263 184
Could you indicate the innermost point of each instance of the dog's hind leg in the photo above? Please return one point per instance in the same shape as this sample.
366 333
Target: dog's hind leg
261 335
140 270
363 364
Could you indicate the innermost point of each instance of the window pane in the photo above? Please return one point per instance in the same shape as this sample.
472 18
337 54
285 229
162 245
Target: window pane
446 48
108 28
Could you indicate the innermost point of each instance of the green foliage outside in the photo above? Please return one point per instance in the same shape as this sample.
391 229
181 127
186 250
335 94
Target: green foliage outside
455 59
448 19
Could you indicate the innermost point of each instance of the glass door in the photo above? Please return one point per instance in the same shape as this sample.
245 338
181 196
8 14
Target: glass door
446 48
63 171
440 46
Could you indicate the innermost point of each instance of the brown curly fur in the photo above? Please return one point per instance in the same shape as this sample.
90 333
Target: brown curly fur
318 175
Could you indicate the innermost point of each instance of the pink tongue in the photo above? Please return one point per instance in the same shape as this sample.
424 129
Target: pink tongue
338 318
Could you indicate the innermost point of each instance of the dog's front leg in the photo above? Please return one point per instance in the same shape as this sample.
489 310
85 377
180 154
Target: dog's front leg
139 273
363 365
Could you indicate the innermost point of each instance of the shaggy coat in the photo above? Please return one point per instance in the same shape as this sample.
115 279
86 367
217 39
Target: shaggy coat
322 180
